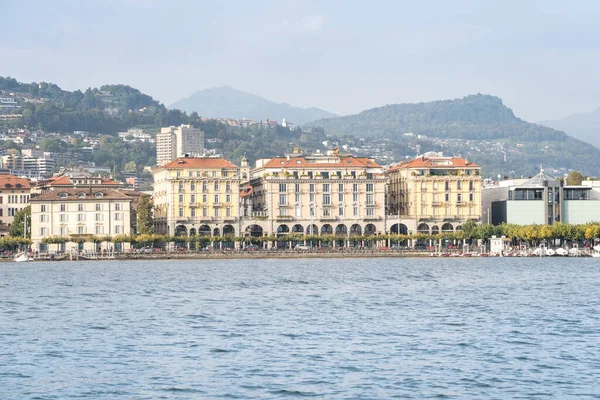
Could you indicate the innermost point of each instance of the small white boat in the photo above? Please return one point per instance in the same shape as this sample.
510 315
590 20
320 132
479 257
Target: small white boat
550 252
561 252
596 252
22 257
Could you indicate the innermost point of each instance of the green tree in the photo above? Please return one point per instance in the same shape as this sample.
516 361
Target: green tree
130 166
53 144
574 178
469 229
16 229
145 218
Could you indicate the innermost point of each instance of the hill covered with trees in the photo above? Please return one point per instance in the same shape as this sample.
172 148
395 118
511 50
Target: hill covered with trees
481 118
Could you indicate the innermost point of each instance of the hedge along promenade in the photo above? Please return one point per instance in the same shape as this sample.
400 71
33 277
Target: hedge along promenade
470 231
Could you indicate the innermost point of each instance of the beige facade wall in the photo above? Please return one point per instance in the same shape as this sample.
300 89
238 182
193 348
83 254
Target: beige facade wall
435 196
286 204
89 216
195 199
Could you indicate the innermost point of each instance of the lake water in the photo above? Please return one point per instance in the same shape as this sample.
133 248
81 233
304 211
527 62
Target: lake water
332 329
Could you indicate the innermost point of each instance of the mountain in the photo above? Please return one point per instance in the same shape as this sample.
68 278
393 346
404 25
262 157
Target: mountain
583 126
478 125
227 102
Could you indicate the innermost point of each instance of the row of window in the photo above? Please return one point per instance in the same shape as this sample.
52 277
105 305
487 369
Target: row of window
447 185
193 213
459 197
82 230
81 217
327 198
11 211
80 207
15 199
445 211
325 174
200 174
205 186
204 198
442 172
283 187
327 212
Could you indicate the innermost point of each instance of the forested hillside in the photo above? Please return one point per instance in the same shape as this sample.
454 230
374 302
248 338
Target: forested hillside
477 121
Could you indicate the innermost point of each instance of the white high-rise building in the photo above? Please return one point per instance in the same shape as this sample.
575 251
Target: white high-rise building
178 141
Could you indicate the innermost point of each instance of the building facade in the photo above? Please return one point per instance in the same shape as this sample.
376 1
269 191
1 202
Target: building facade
541 200
174 142
83 212
319 194
14 196
197 196
433 194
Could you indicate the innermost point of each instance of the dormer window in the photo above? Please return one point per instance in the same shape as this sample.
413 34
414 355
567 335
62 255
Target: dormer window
80 195
63 195
98 195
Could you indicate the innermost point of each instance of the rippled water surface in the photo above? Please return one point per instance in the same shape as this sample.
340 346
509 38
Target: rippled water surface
332 329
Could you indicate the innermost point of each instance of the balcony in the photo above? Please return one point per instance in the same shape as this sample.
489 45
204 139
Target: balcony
436 203
327 218
284 218
218 204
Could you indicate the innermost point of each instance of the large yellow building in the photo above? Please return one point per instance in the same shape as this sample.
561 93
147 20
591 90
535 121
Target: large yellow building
433 194
197 196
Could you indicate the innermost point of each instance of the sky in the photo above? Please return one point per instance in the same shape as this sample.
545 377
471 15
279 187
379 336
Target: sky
541 57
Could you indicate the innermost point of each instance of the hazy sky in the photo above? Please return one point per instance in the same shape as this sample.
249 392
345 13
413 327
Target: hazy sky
541 57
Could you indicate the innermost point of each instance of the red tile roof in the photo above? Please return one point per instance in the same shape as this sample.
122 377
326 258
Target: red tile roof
66 181
10 181
345 162
199 163
107 194
246 191
424 162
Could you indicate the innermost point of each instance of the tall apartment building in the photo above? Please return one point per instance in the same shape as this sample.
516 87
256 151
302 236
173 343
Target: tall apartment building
433 194
319 194
197 196
174 142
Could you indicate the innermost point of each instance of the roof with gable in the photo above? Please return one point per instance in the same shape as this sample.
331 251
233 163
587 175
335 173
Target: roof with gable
541 179
198 163
11 182
65 180
90 194
435 162
302 162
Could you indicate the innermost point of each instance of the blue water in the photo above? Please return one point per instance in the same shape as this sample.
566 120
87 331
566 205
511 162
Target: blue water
331 329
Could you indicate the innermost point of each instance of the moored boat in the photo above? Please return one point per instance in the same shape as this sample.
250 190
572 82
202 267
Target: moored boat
22 257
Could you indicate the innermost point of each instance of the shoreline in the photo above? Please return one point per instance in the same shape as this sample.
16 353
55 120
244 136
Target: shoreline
240 255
